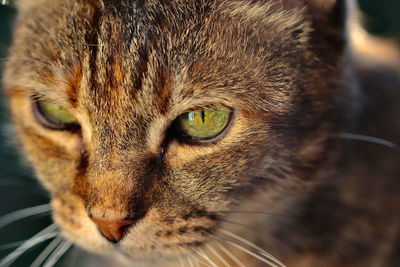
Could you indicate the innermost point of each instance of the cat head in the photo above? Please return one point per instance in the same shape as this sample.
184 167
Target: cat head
146 120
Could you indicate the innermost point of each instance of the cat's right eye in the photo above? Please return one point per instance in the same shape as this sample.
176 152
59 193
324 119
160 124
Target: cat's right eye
54 116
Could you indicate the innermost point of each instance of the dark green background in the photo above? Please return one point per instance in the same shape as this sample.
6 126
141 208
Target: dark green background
19 190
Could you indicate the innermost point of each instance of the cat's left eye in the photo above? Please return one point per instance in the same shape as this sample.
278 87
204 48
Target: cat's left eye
204 124
54 116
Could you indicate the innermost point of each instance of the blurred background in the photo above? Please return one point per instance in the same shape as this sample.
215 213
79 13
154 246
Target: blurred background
18 190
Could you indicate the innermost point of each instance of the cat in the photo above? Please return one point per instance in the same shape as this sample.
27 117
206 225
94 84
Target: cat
209 132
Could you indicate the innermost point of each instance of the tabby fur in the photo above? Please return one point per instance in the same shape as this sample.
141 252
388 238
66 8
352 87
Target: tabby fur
280 175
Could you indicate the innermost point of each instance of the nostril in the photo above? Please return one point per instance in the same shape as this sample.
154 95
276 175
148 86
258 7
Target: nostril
113 230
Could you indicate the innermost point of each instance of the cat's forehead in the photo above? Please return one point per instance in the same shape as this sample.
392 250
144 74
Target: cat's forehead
133 55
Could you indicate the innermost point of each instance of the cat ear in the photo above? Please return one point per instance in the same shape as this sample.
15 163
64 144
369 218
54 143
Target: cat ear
328 22
331 12
328 12
323 4
328 17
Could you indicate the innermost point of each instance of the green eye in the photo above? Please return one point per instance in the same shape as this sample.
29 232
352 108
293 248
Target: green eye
204 123
55 117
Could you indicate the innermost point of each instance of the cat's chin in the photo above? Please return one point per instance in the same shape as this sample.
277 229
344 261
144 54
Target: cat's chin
154 257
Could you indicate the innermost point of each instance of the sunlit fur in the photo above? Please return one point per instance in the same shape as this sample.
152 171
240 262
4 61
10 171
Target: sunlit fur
127 69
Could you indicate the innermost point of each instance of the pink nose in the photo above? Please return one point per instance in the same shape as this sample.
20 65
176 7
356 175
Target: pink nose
113 230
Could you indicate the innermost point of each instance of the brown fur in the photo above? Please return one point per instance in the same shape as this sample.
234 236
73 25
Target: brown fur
127 69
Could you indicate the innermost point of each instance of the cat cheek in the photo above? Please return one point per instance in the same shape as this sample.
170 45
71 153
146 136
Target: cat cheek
70 214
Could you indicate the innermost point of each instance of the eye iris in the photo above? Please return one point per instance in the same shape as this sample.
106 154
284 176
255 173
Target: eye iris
56 114
205 123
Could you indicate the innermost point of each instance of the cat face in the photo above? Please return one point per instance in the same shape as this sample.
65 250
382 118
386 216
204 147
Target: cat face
125 170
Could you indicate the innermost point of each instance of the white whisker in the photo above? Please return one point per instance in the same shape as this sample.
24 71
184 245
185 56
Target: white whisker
23 213
69 9
242 225
45 234
202 254
58 253
73 256
196 260
368 139
190 261
46 252
216 254
29 60
261 250
230 255
262 257
11 245
181 262
267 261
73 24
46 28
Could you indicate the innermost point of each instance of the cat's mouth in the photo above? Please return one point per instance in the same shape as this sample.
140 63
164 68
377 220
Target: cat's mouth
165 249
152 236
